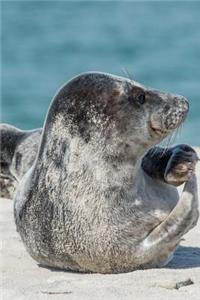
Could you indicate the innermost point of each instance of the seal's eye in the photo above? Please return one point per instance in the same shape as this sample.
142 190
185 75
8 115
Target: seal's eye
141 98
137 97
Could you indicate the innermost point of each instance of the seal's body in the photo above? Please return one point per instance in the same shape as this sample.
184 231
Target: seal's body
18 152
97 198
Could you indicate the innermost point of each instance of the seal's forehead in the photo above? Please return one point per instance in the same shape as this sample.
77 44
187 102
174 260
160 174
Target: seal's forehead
96 83
99 76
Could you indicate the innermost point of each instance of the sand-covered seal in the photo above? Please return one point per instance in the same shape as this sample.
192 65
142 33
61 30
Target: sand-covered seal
98 198
17 154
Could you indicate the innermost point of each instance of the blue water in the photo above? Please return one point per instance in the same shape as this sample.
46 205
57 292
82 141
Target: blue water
44 44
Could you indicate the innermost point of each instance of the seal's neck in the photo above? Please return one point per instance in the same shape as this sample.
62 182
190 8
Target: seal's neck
111 165
109 161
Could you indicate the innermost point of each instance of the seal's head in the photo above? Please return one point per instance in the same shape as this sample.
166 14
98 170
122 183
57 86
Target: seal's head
105 109
9 136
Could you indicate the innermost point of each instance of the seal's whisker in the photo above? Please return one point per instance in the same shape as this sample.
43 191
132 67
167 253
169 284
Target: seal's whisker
167 145
166 141
179 129
153 151
127 73
175 134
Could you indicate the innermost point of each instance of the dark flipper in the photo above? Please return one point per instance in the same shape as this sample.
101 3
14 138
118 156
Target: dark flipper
174 166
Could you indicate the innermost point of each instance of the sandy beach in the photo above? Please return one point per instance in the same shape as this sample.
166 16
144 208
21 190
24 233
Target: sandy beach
22 278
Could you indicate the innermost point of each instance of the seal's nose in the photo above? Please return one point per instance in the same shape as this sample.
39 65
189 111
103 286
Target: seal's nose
166 108
182 103
177 112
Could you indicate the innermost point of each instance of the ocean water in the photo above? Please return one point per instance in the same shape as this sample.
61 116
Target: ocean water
45 43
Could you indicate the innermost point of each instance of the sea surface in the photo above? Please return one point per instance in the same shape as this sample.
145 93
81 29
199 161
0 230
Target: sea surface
46 43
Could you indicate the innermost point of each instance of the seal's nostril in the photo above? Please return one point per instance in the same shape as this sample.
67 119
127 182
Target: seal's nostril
166 108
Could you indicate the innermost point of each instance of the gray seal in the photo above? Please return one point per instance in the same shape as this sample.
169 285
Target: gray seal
17 154
100 196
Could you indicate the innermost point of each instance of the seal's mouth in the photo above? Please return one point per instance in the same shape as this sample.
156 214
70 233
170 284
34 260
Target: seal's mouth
156 130
164 121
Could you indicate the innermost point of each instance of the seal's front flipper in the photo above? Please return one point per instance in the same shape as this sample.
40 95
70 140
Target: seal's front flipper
155 161
181 165
174 166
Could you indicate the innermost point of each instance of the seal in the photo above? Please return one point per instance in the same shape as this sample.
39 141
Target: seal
98 197
17 154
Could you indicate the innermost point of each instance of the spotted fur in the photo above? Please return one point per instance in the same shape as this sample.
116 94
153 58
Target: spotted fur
87 204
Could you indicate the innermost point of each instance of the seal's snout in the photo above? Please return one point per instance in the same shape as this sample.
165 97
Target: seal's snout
176 112
182 103
172 113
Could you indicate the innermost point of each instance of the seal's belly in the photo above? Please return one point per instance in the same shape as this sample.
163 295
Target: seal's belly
86 242
95 237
